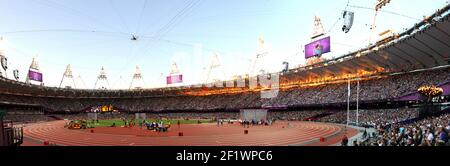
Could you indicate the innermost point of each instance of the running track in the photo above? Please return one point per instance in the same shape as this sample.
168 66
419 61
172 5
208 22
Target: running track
279 134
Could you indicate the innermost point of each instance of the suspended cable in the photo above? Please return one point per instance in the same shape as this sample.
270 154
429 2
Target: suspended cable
64 30
27 55
170 25
172 42
141 16
177 19
187 4
335 23
174 21
384 11
124 24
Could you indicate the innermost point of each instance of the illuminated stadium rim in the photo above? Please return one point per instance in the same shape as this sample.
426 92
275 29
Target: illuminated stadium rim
441 16
217 91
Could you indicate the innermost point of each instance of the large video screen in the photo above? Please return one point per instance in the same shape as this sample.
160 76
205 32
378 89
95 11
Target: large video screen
173 79
36 76
317 48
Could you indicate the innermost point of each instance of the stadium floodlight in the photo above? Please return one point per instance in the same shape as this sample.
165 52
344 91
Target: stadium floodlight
286 67
16 74
348 21
381 4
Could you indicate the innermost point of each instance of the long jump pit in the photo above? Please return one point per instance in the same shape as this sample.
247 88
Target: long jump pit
281 133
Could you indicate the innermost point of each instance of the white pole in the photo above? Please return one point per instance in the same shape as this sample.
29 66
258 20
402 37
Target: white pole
348 101
357 103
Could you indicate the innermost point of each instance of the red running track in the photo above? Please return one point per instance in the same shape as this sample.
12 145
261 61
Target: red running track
279 134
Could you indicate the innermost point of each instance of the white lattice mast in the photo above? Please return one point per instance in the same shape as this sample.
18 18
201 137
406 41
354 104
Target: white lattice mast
138 81
120 84
174 69
215 71
102 80
81 82
68 76
318 28
258 63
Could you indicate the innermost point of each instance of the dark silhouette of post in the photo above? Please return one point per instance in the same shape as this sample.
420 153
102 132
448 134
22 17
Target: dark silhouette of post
2 132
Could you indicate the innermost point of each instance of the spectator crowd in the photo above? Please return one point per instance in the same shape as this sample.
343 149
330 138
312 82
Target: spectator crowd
66 100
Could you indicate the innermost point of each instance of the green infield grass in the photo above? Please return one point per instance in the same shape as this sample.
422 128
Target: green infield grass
119 122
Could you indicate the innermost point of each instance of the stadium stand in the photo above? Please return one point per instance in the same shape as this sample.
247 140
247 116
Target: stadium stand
379 89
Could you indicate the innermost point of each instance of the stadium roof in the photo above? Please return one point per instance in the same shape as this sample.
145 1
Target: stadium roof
425 45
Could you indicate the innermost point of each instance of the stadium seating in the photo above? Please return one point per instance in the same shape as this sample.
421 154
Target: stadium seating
382 88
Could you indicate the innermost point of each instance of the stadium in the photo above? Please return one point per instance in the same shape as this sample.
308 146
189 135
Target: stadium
394 91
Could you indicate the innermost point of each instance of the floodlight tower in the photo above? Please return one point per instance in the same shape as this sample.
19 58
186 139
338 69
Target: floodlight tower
215 67
102 80
174 68
138 81
68 76
175 77
318 28
261 53
34 70
318 31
